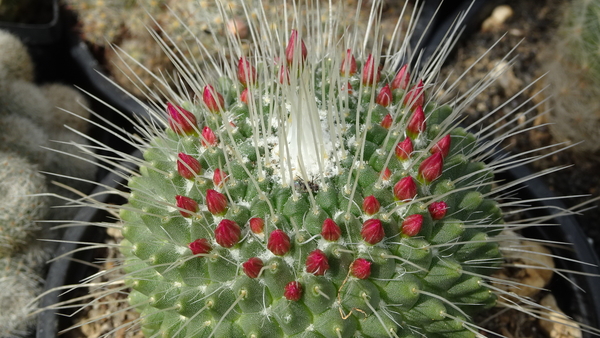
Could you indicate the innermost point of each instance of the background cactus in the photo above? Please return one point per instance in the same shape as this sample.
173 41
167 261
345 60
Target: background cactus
29 122
574 78
308 192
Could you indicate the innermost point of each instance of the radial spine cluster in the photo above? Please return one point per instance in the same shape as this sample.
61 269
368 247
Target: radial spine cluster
311 196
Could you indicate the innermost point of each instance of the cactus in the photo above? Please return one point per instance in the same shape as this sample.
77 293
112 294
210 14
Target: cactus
308 191
574 76
21 205
15 59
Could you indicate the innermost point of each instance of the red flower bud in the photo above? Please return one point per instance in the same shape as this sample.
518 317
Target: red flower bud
252 267
200 246
384 97
330 230
208 137
361 268
257 225
387 173
293 291
443 146
290 50
246 72
348 67
412 225
219 177
431 167
402 78
372 231
346 88
279 242
317 263
180 120
404 149
227 233
387 121
371 205
244 95
416 124
438 210
405 189
216 202
415 97
187 206
187 166
370 73
212 99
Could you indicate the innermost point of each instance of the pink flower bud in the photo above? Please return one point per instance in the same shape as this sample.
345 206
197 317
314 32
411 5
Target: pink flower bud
290 50
404 149
372 231
284 75
348 67
200 246
415 97
212 99
361 268
443 146
387 173
412 225
402 78
180 120
216 202
416 124
370 73
219 177
227 233
252 267
257 225
431 168
330 230
317 263
187 206
371 205
405 189
438 210
246 72
279 242
187 166
384 97
293 291
387 121
208 137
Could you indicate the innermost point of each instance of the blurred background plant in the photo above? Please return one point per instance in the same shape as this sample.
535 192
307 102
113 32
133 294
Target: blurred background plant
30 121
573 65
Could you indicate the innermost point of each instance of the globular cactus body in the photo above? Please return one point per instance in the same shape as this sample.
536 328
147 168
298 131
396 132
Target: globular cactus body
304 207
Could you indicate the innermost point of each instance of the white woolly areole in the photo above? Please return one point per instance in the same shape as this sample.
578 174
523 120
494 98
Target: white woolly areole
308 135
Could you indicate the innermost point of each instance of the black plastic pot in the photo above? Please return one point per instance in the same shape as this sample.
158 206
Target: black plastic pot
584 306
45 41
71 269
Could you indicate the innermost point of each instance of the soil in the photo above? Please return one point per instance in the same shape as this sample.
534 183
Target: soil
531 28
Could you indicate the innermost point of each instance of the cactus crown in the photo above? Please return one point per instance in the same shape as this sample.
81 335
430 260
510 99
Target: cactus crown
311 190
